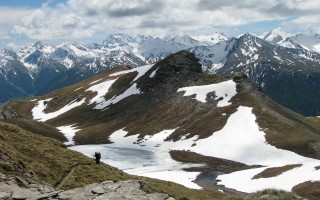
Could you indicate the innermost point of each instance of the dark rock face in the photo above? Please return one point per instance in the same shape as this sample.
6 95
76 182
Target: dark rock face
175 71
182 61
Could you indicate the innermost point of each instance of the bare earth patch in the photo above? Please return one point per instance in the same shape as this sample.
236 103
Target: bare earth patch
275 171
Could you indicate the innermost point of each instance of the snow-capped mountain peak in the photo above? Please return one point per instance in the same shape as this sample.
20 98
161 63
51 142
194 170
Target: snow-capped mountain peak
185 39
276 36
118 40
8 54
212 38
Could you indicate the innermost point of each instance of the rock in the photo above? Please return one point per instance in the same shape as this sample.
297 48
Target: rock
79 193
98 190
22 181
118 196
3 176
46 196
5 195
159 196
143 185
23 193
130 190
5 114
42 188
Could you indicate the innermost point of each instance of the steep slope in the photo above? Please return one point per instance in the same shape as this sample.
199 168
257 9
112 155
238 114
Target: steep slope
309 42
172 105
289 76
15 80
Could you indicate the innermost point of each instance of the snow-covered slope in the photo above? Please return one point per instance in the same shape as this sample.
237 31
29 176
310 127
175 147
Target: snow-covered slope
208 40
214 57
309 42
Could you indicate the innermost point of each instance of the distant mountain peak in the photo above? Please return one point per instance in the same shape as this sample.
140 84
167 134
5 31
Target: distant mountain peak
211 39
8 53
38 45
276 35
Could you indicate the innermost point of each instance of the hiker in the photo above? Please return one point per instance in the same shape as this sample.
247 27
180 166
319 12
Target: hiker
98 157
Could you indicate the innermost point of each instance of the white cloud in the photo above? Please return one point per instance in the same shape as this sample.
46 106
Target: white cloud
54 23
84 19
13 15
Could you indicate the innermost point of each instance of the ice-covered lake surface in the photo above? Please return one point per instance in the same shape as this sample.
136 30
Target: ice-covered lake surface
142 161
241 140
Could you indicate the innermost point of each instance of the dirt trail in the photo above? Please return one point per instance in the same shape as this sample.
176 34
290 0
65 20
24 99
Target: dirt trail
65 178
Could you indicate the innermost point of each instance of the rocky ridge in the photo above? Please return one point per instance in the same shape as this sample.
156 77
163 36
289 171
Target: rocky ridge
14 188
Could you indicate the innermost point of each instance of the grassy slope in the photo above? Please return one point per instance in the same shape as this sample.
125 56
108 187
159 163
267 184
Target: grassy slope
47 160
284 128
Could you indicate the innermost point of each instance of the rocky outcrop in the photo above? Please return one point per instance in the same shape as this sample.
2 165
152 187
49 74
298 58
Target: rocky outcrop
131 189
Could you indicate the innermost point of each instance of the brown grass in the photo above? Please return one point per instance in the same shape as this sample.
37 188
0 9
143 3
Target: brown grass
268 194
275 171
308 190
47 160
213 164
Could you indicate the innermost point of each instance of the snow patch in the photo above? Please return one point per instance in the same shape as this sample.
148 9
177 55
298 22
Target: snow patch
39 114
102 89
141 71
101 103
69 132
153 73
225 90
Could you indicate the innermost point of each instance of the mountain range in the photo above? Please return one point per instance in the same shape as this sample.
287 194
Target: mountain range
285 67
226 126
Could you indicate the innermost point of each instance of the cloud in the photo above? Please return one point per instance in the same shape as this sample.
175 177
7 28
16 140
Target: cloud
123 8
13 46
287 9
13 15
52 23
218 4
84 19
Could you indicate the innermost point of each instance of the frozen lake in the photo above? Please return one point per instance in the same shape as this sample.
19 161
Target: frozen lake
142 161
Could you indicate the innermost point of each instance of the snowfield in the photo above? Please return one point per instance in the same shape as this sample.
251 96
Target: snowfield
39 114
240 140
69 132
102 104
101 89
225 90
141 71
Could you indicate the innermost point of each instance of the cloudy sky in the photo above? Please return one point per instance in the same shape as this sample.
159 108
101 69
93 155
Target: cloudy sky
53 21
